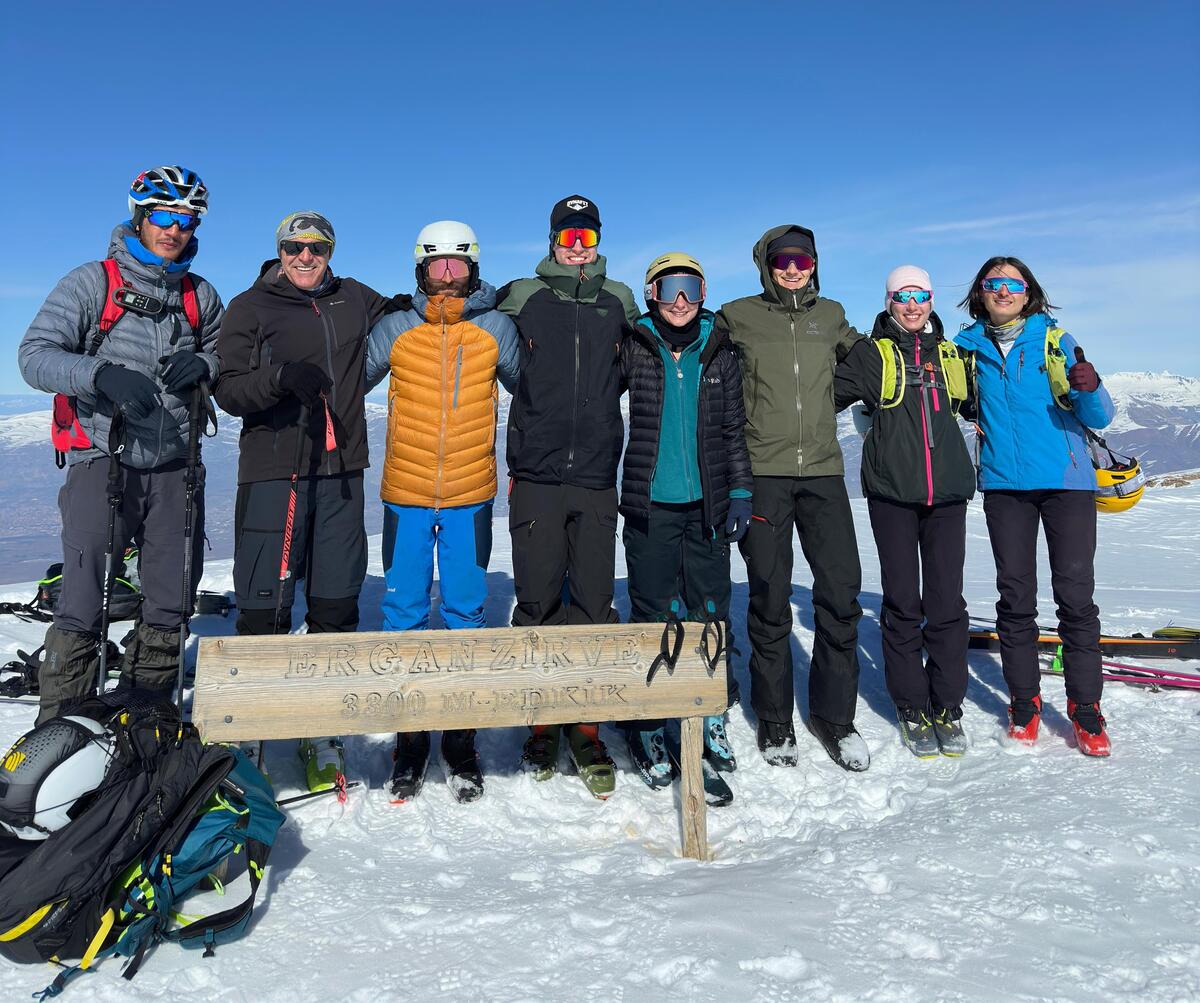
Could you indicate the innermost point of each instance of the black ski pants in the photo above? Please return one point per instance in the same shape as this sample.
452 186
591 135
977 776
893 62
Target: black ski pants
151 515
819 508
329 551
1069 521
562 531
672 555
921 553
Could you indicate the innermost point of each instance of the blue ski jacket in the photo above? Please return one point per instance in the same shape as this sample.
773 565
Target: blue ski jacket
1029 443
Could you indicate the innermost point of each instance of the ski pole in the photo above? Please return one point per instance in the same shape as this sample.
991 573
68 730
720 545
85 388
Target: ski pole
199 393
116 446
285 557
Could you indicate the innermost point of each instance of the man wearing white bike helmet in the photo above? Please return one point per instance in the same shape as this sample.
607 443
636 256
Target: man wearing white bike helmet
439 475
130 336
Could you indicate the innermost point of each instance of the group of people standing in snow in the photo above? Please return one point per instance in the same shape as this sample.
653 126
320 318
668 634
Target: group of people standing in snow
732 439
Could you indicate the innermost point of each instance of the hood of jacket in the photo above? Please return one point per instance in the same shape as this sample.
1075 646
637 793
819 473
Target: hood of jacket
452 309
272 280
770 290
886 327
571 281
975 338
135 260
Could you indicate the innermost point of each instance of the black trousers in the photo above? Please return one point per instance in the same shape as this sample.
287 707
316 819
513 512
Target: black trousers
1069 521
151 514
672 555
329 551
819 508
921 553
561 531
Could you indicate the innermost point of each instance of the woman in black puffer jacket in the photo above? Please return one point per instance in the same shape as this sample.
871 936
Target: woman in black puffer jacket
918 477
686 482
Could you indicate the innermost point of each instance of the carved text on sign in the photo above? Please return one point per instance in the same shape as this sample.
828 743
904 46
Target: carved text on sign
530 651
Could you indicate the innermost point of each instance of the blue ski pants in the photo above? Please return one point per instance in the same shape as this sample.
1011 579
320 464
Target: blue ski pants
462 538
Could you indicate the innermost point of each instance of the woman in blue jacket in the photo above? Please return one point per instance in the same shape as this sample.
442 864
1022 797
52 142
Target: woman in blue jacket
1036 395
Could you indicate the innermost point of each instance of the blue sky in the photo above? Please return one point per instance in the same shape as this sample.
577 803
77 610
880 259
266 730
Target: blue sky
933 133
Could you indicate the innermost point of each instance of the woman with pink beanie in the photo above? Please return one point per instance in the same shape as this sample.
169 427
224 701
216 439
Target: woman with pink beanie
917 477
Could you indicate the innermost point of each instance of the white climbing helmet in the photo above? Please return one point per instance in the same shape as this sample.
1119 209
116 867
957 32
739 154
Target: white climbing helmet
446 237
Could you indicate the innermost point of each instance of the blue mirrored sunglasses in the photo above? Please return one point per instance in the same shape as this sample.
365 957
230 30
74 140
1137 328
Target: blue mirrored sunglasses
918 295
164 219
1014 286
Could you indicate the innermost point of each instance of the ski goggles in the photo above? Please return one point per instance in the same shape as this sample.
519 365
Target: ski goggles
319 248
584 234
164 219
912 296
781 261
447 268
1014 286
666 288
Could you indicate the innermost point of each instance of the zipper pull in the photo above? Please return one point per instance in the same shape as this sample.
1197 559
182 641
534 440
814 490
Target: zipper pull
314 306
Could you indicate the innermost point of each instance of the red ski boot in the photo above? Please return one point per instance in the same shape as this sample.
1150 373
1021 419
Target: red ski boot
1090 733
1024 716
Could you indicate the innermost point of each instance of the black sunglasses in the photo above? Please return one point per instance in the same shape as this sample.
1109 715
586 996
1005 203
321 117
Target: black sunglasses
319 248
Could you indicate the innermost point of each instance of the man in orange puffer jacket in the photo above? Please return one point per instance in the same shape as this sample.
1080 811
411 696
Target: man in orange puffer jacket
439 474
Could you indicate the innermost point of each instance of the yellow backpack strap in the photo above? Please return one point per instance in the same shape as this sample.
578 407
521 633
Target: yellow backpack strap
954 372
891 390
1056 368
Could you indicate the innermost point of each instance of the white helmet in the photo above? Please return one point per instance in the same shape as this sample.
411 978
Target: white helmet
48 770
446 237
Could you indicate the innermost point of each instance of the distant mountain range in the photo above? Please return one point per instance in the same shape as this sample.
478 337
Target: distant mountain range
1158 421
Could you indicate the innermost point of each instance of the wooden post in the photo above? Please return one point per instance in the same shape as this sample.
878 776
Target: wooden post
692 806
309 685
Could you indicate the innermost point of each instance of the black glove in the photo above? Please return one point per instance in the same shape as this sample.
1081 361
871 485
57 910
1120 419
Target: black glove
131 391
738 520
304 381
182 371
1082 376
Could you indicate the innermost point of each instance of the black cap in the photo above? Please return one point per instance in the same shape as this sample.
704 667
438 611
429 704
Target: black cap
793 238
574 210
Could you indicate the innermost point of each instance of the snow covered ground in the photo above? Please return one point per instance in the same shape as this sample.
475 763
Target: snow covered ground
1011 874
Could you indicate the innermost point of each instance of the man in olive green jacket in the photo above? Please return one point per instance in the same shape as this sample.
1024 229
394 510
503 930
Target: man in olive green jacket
790 339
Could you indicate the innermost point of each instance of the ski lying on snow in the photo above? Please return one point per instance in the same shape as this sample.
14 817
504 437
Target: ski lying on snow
1110 644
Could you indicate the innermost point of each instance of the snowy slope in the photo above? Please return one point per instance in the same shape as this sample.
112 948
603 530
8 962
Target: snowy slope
1011 874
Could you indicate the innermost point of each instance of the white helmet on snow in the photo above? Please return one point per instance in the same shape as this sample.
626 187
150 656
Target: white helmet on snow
48 770
446 238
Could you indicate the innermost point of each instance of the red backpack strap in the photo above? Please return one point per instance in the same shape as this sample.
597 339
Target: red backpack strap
191 305
112 312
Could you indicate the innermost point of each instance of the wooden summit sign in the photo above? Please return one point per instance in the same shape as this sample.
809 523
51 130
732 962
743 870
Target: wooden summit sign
309 685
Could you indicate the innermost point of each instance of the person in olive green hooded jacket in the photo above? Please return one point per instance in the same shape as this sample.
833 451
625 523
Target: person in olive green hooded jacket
790 339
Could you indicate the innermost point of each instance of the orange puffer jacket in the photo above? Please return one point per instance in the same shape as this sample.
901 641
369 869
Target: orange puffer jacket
444 357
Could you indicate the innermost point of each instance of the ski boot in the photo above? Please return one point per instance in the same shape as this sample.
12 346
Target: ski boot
947 724
540 755
1024 716
591 760
843 743
917 732
777 743
1090 732
324 763
648 749
462 765
411 757
717 749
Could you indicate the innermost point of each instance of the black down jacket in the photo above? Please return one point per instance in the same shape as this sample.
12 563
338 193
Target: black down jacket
722 454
